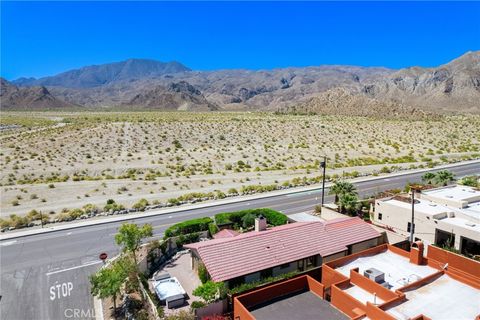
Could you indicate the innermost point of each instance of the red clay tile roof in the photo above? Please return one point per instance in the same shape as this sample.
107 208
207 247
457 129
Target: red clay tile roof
225 233
250 252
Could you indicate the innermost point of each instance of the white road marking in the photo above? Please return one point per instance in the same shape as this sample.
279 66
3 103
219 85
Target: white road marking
8 243
73 268
386 179
69 233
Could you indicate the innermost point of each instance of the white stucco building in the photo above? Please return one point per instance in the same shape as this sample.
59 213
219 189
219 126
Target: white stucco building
443 216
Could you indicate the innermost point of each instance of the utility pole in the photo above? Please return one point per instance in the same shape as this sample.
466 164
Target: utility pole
41 218
413 189
413 214
323 165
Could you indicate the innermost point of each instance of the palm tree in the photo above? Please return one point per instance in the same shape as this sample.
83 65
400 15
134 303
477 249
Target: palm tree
443 177
428 177
340 188
348 203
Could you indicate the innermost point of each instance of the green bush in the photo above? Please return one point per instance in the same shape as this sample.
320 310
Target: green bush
208 291
248 220
189 226
187 238
247 286
197 304
273 217
202 273
212 228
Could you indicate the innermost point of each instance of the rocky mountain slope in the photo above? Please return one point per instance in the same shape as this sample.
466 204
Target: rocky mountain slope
451 88
176 96
36 98
339 101
98 75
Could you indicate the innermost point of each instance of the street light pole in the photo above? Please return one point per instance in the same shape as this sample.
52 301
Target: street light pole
323 165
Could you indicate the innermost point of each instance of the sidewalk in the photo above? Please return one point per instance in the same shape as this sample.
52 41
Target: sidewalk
238 199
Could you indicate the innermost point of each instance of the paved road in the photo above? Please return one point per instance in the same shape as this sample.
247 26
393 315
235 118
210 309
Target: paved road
45 276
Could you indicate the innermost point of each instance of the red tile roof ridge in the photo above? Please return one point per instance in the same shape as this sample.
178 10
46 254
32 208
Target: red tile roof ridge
249 234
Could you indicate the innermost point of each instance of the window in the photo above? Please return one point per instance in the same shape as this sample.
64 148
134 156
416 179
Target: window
285 266
409 226
310 262
267 273
469 246
300 265
379 216
444 238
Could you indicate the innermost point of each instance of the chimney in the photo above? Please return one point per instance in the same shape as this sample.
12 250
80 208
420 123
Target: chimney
416 253
260 223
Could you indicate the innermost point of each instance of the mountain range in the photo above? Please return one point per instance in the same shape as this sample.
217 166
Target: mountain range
147 84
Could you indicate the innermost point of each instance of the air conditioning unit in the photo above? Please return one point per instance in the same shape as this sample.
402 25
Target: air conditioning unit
375 275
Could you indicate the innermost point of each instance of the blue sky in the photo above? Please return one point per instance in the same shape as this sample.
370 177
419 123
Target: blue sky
45 38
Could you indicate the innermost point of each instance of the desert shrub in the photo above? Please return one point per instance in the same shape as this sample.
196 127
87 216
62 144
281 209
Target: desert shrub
232 191
188 226
16 221
112 205
141 204
90 208
173 201
273 217
75 213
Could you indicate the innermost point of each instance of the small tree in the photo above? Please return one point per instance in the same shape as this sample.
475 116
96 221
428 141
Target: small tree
107 282
348 203
130 236
340 188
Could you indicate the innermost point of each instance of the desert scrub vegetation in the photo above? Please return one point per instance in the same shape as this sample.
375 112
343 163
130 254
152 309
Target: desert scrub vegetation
171 154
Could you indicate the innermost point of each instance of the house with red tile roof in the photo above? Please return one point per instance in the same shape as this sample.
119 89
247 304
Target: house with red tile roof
299 246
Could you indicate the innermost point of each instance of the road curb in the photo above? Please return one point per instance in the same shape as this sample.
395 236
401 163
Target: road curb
233 200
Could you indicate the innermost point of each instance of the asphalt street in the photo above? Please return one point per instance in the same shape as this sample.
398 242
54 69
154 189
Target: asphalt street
45 276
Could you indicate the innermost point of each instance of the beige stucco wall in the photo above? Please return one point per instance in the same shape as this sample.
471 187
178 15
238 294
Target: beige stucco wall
398 217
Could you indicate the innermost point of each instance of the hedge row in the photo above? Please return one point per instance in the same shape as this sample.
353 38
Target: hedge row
187 227
273 217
